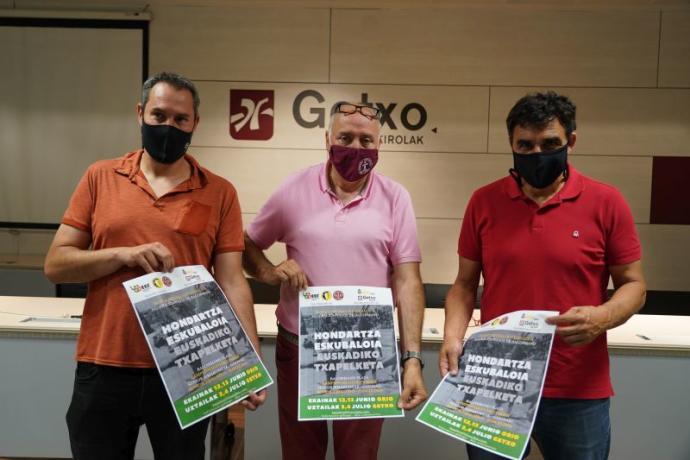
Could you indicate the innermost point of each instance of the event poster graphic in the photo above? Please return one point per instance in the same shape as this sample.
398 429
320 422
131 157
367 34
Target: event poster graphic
348 354
205 359
493 401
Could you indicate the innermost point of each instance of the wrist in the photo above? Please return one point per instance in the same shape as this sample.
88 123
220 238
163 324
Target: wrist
267 274
411 356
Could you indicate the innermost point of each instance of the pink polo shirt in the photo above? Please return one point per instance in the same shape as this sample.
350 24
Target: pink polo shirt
552 257
355 244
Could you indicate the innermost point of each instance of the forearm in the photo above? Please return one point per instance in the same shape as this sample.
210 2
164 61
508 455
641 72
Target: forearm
410 294
67 264
255 262
460 302
240 296
627 300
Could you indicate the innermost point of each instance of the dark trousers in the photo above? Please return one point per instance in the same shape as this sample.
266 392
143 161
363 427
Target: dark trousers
108 406
567 429
352 439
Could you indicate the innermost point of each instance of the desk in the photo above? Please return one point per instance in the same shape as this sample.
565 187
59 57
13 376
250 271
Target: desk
650 414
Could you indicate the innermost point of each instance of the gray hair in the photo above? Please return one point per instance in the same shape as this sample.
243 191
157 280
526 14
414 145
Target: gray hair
176 81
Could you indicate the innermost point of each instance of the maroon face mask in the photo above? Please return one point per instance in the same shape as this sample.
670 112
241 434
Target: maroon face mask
353 164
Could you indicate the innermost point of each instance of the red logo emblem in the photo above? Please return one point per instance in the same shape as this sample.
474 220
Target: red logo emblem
251 114
338 295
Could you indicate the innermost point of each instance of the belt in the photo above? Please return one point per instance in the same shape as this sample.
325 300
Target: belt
287 335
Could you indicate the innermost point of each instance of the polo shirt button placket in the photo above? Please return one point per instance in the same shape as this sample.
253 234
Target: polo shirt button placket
340 215
537 221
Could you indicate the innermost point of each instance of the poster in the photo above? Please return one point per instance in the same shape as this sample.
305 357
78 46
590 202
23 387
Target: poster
348 354
205 359
492 402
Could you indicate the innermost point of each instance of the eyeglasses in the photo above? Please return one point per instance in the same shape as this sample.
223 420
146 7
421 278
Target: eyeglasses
349 109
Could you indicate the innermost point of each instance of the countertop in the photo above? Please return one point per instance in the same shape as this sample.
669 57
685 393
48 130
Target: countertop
45 316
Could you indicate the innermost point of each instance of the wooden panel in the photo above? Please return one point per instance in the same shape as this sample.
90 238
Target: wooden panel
666 256
496 46
25 242
674 57
438 240
453 120
631 175
441 184
241 43
611 121
256 173
670 197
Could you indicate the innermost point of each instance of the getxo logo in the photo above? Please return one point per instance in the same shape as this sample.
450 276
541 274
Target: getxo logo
251 114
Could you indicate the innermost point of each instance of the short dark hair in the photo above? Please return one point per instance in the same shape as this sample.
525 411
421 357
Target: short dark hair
539 109
176 81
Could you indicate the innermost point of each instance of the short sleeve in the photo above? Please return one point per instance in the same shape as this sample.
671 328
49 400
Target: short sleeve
622 243
230 237
404 247
267 226
469 242
81 204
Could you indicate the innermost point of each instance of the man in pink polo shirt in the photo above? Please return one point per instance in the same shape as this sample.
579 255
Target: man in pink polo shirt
342 224
548 238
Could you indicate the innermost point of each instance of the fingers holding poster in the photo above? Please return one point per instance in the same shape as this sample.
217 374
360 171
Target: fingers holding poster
492 402
205 359
348 354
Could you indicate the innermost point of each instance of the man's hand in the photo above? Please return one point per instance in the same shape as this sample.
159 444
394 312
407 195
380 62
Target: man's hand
449 355
414 392
581 325
254 400
291 273
152 257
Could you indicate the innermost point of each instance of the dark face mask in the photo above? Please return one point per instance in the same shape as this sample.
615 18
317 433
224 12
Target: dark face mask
540 169
165 143
352 164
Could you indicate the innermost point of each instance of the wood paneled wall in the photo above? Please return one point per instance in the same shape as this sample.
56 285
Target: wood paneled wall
627 69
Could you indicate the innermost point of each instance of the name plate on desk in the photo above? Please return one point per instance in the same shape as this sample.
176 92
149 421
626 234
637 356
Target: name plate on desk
348 354
203 354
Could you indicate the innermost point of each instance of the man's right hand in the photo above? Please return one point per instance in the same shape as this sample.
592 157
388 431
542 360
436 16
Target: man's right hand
449 356
291 273
152 257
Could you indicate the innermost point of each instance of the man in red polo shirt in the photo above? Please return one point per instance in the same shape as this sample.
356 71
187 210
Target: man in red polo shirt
151 210
548 238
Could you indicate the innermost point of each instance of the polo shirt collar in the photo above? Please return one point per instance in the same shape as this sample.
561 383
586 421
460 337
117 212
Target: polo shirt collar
571 190
130 166
325 186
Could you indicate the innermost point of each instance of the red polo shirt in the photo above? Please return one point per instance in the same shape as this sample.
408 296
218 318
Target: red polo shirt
115 204
552 257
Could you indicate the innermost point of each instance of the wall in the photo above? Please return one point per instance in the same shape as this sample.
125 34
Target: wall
626 66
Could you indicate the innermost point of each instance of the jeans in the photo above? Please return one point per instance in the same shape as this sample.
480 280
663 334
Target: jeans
108 406
567 429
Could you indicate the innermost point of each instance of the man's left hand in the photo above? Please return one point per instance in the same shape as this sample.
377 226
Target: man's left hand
581 325
254 400
414 392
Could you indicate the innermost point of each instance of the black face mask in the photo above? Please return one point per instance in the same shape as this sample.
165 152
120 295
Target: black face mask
165 143
540 169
